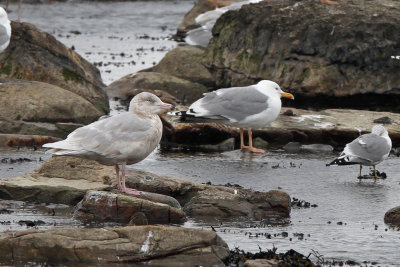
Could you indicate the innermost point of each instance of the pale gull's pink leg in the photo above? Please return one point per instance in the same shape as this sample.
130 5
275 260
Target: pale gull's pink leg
125 189
118 180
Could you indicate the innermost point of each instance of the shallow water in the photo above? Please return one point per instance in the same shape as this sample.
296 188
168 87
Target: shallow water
120 37
347 223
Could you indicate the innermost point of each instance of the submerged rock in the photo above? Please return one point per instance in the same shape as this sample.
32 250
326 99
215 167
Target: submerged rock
392 216
325 55
153 245
37 56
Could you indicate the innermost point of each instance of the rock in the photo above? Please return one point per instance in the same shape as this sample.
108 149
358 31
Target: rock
325 55
17 140
331 127
317 148
227 145
167 246
66 180
186 91
37 56
292 147
63 180
384 120
42 102
116 207
260 263
197 134
392 216
185 62
58 130
260 143
226 203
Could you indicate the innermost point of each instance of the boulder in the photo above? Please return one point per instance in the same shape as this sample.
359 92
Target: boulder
327 56
66 180
167 246
33 101
199 200
185 91
116 207
37 56
392 216
220 202
185 62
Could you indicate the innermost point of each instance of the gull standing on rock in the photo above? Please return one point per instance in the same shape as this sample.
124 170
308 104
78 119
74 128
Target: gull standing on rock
250 107
5 30
125 138
368 149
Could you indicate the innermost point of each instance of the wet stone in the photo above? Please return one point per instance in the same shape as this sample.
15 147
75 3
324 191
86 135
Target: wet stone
392 216
108 206
384 120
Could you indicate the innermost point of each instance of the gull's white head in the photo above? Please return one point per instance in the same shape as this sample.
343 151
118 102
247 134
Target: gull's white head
149 103
379 130
3 16
273 89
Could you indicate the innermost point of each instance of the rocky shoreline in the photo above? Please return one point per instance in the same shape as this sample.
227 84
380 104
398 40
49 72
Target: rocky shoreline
328 65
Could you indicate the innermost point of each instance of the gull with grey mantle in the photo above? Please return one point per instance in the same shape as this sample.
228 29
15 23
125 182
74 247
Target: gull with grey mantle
368 149
125 138
250 107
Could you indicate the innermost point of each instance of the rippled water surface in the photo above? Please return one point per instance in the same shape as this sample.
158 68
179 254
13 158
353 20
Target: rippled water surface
124 37
347 223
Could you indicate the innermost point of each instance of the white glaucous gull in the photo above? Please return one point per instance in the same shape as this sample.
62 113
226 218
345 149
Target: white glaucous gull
250 107
5 30
367 149
125 138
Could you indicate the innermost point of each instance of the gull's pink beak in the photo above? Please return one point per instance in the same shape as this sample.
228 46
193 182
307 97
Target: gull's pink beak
166 107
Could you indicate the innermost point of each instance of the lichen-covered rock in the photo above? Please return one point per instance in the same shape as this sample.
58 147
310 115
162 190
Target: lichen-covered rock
168 246
328 56
185 91
185 62
392 216
116 207
37 56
